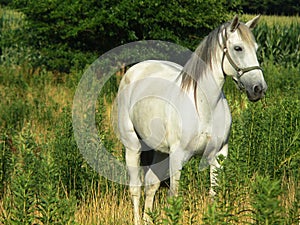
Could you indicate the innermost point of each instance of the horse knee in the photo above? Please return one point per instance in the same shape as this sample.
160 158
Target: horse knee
135 191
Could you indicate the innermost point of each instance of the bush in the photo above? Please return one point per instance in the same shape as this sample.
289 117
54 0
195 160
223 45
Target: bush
271 7
62 31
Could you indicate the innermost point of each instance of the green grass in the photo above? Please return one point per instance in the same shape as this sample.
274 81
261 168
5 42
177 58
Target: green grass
37 140
45 180
274 20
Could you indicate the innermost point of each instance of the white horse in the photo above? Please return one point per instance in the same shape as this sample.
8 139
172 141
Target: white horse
181 111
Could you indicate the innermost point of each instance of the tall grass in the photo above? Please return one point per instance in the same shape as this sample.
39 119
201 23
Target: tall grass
279 44
274 20
45 180
278 38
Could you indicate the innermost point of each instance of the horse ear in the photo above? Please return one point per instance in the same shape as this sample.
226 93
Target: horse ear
252 23
234 23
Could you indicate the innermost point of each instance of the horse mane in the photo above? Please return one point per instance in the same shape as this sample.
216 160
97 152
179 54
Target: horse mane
200 60
205 54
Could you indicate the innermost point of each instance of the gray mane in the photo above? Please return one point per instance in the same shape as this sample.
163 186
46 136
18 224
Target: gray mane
201 60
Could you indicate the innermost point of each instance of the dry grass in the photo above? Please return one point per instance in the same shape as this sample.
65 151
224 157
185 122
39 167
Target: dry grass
111 208
116 208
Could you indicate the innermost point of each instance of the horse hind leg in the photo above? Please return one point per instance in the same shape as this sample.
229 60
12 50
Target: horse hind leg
133 167
132 157
130 139
157 172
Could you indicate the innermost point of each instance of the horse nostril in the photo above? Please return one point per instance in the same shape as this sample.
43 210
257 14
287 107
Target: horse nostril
258 89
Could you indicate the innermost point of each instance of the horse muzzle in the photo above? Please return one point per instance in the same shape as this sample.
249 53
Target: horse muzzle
256 92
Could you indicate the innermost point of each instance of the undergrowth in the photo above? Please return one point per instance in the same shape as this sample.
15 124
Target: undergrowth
44 179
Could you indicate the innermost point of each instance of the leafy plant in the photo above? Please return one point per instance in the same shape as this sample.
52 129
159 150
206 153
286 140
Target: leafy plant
171 214
90 28
265 201
174 211
33 194
279 43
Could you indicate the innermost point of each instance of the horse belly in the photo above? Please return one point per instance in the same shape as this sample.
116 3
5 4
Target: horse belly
150 122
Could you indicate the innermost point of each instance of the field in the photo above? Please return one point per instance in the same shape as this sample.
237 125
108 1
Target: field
273 20
45 180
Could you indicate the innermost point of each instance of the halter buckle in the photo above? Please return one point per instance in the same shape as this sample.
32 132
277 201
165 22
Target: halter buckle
240 73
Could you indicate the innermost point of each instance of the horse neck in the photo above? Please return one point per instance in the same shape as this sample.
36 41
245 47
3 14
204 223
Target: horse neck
210 85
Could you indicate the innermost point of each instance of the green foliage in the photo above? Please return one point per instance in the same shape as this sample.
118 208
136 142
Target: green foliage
272 7
6 163
22 199
155 216
33 187
230 190
265 147
265 202
265 141
54 209
50 37
174 211
215 216
13 50
78 177
279 43
66 32
16 108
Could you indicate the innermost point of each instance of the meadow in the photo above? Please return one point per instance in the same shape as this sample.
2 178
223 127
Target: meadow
45 180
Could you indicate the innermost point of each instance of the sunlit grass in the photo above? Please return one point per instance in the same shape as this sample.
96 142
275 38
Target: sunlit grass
272 20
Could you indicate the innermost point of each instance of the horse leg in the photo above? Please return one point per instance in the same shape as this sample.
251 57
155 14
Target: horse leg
214 168
133 157
132 145
176 162
156 173
133 167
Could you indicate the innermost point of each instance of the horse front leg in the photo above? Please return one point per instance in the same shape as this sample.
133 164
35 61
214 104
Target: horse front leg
177 158
214 170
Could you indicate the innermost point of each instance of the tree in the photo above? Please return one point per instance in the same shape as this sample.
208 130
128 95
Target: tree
271 7
66 32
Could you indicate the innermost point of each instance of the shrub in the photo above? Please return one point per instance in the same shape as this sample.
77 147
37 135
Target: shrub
64 32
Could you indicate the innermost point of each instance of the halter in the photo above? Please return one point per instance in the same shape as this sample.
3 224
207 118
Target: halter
240 71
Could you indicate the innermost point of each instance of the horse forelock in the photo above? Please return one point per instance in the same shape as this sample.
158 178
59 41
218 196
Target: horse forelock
246 34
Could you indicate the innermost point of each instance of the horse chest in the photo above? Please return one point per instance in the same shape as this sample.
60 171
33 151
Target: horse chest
213 132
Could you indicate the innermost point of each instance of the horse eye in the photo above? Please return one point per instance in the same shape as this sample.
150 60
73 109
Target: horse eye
238 48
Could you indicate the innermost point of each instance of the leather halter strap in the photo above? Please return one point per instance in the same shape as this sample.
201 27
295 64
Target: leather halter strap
240 71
